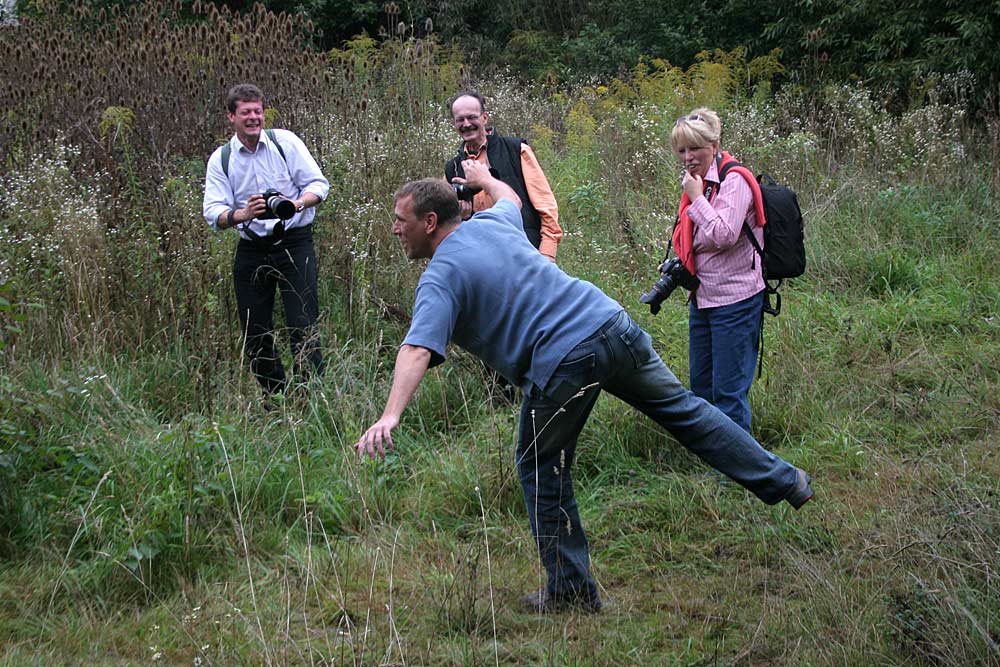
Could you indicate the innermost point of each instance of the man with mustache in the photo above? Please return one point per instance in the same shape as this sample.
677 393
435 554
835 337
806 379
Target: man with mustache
514 163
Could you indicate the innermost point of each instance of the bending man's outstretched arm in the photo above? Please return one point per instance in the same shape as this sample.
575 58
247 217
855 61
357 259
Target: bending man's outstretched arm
411 364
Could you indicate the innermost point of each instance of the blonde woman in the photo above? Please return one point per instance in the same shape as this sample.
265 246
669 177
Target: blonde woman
726 308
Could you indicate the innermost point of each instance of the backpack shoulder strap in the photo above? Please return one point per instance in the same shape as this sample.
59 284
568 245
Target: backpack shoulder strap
453 167
274 139
732 164
753 239
227 150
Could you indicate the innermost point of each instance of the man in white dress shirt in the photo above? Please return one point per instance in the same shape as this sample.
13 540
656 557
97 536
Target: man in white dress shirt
275 249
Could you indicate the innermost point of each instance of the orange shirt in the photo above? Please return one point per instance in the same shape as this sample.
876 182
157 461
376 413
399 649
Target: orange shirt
540 195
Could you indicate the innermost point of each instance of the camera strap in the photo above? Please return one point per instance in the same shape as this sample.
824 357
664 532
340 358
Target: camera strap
670 239
709 185
265 241
278 231
708 192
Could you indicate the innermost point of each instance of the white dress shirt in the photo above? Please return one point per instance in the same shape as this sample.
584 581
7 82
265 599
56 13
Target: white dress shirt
253 173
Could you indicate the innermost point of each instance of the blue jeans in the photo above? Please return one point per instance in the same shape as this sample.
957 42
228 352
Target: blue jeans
619 358
722 352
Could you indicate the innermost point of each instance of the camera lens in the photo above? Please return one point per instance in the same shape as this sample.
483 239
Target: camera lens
672 275
658 292
464 192
280 207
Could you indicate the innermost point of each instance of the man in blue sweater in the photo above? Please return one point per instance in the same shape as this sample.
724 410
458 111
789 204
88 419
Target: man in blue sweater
561 340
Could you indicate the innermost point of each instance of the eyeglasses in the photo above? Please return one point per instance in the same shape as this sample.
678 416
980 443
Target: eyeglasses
688 119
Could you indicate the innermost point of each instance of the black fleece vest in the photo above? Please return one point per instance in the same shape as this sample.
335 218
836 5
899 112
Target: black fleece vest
504 155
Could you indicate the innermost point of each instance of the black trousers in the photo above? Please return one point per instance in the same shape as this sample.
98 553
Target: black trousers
289 265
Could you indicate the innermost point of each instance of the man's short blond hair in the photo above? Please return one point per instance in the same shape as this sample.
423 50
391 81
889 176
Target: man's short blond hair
432 195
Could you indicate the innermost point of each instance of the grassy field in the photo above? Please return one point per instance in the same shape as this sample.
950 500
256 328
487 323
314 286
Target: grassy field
154 510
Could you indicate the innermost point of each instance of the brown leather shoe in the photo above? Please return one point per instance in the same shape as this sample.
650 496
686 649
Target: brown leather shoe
540 602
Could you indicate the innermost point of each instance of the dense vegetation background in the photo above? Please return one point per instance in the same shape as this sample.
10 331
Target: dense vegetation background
901 49
154 510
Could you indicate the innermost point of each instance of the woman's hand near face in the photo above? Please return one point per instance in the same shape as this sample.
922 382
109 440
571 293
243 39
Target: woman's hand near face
692 185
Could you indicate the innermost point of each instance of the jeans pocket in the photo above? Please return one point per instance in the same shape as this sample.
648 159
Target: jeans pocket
569 377
638 343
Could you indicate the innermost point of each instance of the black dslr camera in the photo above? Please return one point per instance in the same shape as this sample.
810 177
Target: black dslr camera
465 192
672 275
278 206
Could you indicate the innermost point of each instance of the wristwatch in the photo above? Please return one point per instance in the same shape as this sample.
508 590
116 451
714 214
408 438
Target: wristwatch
299 205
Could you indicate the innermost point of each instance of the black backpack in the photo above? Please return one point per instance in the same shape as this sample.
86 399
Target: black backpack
784 252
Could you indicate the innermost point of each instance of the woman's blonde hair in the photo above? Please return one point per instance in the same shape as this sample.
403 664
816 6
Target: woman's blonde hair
701 127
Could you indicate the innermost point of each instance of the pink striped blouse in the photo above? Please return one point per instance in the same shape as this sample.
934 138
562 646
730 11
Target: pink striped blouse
727 265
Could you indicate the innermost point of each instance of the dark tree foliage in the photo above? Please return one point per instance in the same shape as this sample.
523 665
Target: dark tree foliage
901 46
335 20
